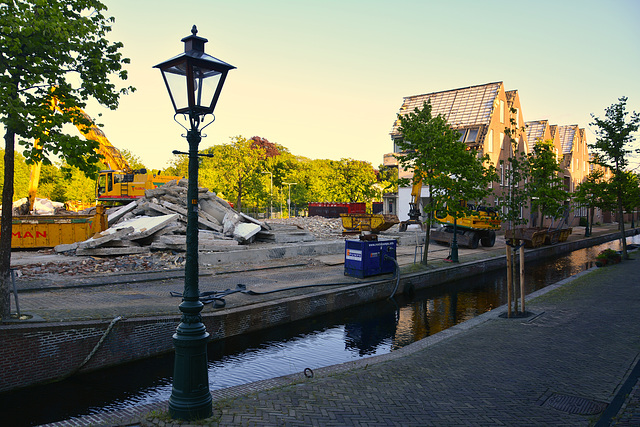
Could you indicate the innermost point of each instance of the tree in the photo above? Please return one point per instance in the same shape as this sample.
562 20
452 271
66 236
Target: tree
544 185
134 160
51 51
78 186
451 170
595 193
631 193
611 150
387 180
233 169
354 180
52 183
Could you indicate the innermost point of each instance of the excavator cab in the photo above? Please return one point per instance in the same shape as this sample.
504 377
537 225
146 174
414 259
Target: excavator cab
113 186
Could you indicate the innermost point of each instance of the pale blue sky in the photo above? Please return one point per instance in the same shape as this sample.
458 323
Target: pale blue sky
326 78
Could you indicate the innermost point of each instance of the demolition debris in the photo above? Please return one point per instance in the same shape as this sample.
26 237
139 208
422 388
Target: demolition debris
158 221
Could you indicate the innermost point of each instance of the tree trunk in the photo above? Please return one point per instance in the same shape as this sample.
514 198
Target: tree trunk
426 239
6 225
625 255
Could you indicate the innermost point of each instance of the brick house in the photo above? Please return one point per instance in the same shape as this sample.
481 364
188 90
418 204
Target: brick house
481 113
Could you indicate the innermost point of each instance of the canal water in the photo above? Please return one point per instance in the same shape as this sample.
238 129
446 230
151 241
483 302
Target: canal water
339 337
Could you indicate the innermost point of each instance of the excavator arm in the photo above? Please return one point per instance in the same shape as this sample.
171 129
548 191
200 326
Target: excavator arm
111 154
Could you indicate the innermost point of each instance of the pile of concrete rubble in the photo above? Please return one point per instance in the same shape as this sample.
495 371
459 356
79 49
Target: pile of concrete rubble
158 221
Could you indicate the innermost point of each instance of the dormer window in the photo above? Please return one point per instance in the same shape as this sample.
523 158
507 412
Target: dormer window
472 134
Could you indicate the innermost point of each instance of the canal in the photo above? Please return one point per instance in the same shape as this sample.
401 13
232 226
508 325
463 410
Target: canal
339 337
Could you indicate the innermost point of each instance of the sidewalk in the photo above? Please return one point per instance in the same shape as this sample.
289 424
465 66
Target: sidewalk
575 361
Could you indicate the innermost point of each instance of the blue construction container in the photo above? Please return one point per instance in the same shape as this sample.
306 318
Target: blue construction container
369 258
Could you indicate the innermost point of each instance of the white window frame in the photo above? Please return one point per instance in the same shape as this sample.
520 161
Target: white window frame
489 140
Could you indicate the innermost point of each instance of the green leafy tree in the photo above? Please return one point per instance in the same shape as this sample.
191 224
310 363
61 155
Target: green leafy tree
631 193
387 180
612 150
276 169
78 186
544 185
594 192
445 164
47 45
355 180
233 169
134 160
52 184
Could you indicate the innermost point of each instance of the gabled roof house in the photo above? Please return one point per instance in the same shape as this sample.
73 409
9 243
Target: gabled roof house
481 114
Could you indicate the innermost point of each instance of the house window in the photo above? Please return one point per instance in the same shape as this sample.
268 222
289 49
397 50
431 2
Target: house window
489 141
502 175
461 132
517 117
472 134
501 111
501 141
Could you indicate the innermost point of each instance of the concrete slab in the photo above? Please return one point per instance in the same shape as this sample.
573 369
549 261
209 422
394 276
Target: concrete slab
145 226
117 214
106 236
266 253
244 231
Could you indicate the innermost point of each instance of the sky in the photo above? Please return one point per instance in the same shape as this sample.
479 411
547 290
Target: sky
326 78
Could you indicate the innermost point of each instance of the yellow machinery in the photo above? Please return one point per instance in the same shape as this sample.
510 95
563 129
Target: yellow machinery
478 227
375 223
117 185
414 205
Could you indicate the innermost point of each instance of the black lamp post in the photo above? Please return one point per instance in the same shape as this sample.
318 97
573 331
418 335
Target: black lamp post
194 81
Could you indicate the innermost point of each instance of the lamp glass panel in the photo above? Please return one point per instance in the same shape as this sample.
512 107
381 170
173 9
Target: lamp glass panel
205 84
178 87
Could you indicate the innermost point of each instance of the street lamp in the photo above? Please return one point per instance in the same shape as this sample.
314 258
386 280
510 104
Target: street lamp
194 81
289 199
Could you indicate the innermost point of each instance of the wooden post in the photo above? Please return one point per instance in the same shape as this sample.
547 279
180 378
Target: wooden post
514 276
522 277
509 280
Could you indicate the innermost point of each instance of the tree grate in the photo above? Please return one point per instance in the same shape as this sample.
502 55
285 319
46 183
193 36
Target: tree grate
574 404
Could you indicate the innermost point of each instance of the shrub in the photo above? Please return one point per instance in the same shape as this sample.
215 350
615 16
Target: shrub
608 256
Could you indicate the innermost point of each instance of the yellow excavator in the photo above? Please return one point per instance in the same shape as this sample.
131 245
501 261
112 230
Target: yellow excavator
414 206
478 227
117 185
